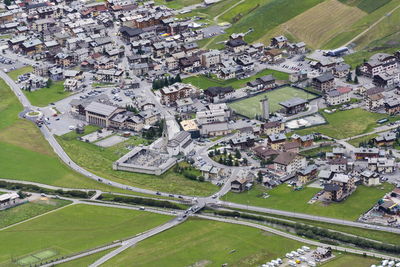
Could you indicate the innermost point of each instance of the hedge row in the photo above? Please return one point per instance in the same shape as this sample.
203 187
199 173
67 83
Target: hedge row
141 201
38 189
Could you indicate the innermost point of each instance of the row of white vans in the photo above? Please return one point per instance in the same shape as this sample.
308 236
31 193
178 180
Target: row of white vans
291 255
387 263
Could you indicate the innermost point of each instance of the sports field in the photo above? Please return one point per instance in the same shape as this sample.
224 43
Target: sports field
250 107
206 243
344 124
72 229
285 198
319 24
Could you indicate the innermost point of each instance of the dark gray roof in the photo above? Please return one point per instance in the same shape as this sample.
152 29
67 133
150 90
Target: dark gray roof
296 101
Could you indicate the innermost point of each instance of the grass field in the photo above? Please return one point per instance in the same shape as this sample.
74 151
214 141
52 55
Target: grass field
356 142
343 124
85 261
351 260
40 163
313 153
366 5
44 96
29 210
366 21
319 24
99 160
206 243
204 82
260 15
284 198
15 73
73 229
250 107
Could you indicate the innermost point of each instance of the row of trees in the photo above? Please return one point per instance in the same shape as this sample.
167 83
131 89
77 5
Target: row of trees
349 78
166 81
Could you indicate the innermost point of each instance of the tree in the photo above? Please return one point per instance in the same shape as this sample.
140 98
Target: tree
259 177
49 83
245 161
225 151
171 80
358 70
178 78
238 155
349 77
356 80
7 2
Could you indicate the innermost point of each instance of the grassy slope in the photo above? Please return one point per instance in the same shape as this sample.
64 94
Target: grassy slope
200 241
361 25
44 96
99 160
366 5
75 228
29 210
262 16
320 24
347 123
24 142
284 198
204 82
251 106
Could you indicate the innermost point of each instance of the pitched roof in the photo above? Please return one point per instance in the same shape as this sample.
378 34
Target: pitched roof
285 158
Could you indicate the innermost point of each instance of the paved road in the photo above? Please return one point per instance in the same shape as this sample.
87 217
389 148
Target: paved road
299 239
133 241
309 217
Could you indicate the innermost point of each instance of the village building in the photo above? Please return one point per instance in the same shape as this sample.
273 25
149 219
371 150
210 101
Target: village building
289 162
379 63
325 82
294 105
